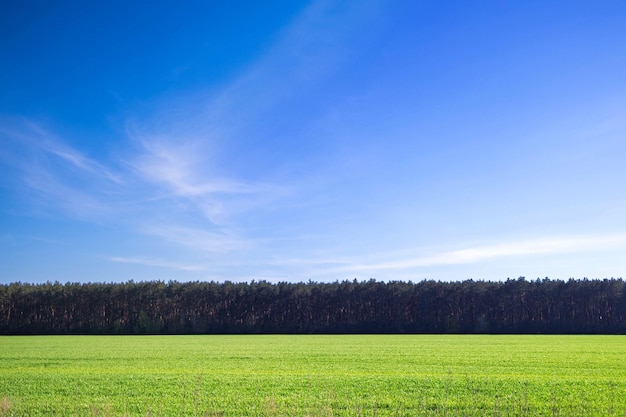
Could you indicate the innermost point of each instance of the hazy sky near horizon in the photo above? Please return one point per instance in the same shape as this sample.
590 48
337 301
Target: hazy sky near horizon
312 140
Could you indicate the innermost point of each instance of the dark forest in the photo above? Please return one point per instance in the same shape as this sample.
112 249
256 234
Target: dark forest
513 306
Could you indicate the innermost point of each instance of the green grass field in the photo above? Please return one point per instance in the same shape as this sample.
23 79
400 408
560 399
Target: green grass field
313 376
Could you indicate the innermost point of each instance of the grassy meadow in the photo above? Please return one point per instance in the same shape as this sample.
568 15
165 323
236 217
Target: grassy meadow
306 375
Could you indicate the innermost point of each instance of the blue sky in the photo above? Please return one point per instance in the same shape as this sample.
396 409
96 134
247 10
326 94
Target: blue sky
296 141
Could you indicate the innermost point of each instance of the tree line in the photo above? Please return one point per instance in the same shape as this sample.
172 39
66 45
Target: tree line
512 306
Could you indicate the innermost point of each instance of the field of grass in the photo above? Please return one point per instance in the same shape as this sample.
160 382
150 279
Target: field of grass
313 376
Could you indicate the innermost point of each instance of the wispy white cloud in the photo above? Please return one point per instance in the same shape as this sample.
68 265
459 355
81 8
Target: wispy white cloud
197 238
149 196
78 160
147 261
532 247
40 145
52 191
424 262
184 170
48 171
179 148
167 179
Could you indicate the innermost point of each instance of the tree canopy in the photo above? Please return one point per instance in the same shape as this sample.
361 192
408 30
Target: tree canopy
512 306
